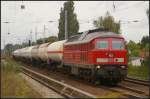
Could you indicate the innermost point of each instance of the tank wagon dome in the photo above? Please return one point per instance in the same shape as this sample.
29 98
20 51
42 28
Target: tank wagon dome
87 36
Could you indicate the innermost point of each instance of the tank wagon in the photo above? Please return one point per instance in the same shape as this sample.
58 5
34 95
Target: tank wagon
28 55
15 54
96 55
34 54
55 52
42 52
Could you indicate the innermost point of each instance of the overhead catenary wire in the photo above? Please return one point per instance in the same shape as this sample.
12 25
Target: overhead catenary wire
128 7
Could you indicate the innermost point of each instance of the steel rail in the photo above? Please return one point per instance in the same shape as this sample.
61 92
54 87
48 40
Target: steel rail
61 88
137 81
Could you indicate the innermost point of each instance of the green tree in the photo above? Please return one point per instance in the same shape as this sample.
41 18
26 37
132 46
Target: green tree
107 22
39 41
49 39
52 39
73 25
144 41
8 49
133 48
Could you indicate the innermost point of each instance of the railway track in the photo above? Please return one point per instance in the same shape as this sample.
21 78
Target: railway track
137 81
59 87
127 89
134 87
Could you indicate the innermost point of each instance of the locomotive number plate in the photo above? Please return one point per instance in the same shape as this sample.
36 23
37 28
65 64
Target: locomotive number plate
102 60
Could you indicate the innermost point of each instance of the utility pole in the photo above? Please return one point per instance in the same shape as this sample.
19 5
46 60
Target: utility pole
31 37
114 7
44 34
4 46
7 22
66 32
36 35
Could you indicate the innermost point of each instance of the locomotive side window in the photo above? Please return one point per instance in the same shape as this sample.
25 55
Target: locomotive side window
117 45
102 44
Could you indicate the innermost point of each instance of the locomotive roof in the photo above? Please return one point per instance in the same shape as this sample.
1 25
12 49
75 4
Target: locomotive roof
90 35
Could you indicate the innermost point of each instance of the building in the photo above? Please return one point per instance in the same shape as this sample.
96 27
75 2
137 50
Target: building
136 61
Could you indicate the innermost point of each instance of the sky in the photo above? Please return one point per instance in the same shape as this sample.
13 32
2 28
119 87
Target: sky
24 22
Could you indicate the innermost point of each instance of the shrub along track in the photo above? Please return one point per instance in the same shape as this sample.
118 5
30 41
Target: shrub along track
97 90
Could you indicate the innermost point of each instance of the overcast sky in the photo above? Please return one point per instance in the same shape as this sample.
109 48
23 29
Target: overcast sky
38 13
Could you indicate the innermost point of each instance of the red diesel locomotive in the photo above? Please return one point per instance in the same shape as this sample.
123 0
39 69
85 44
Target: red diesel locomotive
97 55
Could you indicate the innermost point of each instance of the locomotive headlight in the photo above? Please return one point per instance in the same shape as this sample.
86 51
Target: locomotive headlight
123 67
98 67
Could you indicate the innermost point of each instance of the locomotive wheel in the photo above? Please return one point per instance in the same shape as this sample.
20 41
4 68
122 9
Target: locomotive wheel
113 83
109 82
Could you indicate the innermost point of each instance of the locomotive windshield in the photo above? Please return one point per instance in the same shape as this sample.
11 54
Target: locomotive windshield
102 44
117 45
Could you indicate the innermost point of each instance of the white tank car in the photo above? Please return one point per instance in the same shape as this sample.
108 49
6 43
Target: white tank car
42 51
34 52
15 53
18 52
21 53
55 51
28 52
24 52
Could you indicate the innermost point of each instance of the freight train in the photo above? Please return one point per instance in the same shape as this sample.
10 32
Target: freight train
95 55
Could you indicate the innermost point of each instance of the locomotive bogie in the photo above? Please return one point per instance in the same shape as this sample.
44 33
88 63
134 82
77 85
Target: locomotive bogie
111 73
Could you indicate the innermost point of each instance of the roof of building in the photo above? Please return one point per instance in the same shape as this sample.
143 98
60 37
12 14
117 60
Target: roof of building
134 58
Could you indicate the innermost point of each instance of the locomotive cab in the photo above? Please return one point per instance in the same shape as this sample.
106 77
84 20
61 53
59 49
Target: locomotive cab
109 57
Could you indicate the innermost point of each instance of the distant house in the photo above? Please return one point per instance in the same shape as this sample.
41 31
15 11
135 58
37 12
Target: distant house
144 54
136 61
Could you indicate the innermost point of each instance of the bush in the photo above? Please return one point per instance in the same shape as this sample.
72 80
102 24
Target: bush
140 72
13 85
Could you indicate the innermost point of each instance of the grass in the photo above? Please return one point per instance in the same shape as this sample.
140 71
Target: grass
139 72
12 84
